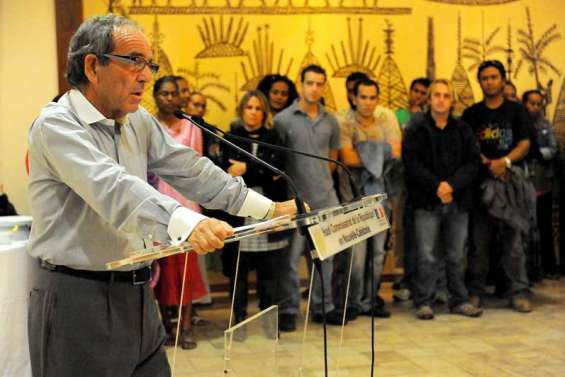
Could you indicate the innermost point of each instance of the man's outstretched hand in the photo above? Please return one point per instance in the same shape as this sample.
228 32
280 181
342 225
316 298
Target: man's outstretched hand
209 235
287 208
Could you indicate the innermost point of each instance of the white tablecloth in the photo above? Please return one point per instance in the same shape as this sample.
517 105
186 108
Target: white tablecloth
16 271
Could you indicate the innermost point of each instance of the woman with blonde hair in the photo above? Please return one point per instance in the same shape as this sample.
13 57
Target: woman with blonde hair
261 253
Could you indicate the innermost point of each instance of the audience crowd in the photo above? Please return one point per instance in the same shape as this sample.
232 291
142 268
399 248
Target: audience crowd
470 198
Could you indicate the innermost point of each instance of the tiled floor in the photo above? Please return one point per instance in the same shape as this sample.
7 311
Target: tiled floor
501 343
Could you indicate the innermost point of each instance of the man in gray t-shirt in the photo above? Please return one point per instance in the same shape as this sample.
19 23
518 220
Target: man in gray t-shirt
307 127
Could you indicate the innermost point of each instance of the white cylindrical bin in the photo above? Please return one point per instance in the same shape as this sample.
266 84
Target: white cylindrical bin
16 272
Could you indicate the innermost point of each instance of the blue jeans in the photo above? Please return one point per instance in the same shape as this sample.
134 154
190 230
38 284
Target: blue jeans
450 223
360 288
290 281
411 254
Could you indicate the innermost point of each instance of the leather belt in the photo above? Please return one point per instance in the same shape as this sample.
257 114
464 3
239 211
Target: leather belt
135 277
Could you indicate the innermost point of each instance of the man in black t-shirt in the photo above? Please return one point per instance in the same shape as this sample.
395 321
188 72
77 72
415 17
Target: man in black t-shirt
502 131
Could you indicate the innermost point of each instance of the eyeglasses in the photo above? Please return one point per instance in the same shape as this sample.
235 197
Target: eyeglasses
139 62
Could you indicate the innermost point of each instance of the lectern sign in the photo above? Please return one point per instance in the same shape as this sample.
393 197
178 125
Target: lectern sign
339 232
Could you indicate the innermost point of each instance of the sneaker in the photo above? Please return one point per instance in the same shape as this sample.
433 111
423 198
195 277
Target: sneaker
425 312
467 310
521 304
441 298
476 301
334 318
187 340
401 295
287 322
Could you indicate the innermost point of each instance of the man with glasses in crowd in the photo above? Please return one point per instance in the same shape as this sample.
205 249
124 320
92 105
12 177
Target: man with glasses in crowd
90 154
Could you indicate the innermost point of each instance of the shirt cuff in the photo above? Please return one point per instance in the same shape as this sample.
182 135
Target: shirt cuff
181 224
255 205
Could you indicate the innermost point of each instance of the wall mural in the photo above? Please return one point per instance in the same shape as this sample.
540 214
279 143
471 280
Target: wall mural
559 117
165 67
474 2
532 53
393 91
207 83
308 59
431 61
463 90
268 7
224 47
357 56
219 42
480 49
260 60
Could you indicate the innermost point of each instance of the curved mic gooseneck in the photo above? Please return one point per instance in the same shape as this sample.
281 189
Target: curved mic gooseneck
354 185
299 202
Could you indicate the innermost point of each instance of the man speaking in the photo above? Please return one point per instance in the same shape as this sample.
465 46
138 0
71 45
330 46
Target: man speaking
90 154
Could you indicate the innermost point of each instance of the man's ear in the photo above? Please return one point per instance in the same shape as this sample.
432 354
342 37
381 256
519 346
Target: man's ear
90 62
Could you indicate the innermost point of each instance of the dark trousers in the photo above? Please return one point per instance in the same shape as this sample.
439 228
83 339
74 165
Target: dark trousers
267 264
89 328
450 225
510 258
545 226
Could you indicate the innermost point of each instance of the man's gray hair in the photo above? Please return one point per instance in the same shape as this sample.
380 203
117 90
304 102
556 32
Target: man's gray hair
94 36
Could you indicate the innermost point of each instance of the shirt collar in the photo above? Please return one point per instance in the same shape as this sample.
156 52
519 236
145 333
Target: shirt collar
87 112
297 109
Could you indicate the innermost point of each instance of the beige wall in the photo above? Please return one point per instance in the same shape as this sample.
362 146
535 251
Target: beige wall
28 80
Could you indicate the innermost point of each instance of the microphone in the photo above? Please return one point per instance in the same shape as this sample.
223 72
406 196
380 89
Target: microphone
207 128
354 185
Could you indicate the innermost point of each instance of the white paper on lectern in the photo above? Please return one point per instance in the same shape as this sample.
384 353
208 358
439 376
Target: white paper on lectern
345 230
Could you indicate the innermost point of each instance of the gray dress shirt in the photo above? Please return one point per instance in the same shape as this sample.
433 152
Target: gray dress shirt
317 136
88 190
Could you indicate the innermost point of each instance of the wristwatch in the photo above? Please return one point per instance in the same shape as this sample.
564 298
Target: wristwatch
508 162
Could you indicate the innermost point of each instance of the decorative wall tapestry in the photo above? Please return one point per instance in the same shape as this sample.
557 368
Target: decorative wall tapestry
356 58
462 85
393 90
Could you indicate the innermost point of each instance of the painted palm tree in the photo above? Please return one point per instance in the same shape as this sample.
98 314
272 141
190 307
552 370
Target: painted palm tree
463 90
479 50
532 52
205 82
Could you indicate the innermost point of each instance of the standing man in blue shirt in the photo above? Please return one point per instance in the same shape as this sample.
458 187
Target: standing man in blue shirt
306 126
